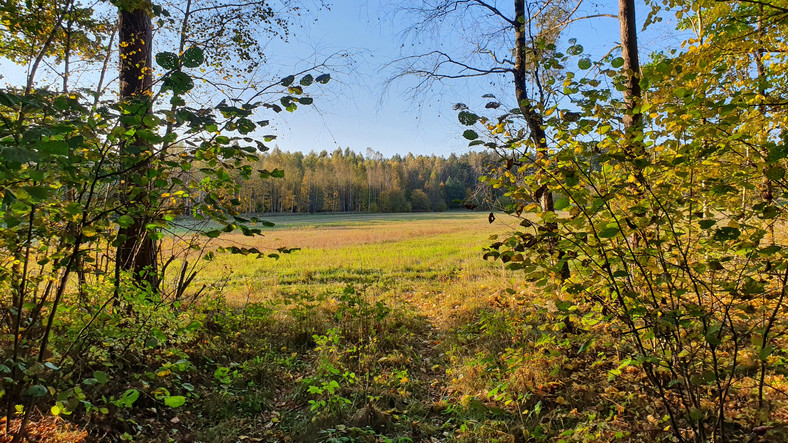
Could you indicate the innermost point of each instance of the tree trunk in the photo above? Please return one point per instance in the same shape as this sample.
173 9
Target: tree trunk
137 251
533 119
633 121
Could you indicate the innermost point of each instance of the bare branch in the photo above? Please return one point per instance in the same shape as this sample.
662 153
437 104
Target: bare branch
563 25
497 12
758 2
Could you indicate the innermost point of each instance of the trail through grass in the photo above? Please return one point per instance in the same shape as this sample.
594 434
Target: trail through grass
384 328
394 327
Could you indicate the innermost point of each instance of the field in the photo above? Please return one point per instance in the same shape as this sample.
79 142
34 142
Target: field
392 256
380 328
393 328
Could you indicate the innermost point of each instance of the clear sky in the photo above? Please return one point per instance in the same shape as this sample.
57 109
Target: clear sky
356 110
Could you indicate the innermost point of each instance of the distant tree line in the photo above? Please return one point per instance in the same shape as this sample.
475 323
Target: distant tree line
346 181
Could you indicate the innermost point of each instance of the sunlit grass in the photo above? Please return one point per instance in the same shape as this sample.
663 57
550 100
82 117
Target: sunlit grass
393 255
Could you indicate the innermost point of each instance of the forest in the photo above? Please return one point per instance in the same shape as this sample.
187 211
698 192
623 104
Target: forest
344 181
604 257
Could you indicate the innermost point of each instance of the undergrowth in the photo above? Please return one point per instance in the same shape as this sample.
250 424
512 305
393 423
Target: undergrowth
470 355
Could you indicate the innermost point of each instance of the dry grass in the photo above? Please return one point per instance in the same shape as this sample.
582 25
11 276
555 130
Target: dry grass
441 345
414 257
45 429
332 237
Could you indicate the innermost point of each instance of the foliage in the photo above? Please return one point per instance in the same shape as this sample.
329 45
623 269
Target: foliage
672 234
443 346
74 174
344 181
26 27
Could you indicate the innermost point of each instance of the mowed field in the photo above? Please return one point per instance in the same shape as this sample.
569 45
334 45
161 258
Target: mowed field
417 257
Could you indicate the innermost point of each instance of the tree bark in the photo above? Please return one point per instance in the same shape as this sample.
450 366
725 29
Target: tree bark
532 119
633 121
137 251
633 118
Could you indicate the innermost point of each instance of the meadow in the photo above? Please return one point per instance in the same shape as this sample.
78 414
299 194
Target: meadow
390 255
379 328
392 327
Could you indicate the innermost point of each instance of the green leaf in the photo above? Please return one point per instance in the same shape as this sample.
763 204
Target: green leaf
706 224
128 398
14 154
323 78
777 153
124 221
575 49
167 60
37 391
608 232
101 376
178 82
306 80
193 57
726 233
53 147
175 401
715 265
764 353
584 63
774 173
245 126
470 134
617 62
305 100
770 250
561 203
37 193
287 81
467 118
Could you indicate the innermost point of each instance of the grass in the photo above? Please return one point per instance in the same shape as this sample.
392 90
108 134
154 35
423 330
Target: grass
392 325
381 328
391 254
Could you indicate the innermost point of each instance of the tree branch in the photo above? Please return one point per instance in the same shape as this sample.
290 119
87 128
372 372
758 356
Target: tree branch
497 12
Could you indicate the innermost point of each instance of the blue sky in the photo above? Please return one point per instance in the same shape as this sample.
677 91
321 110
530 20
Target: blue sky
356 110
